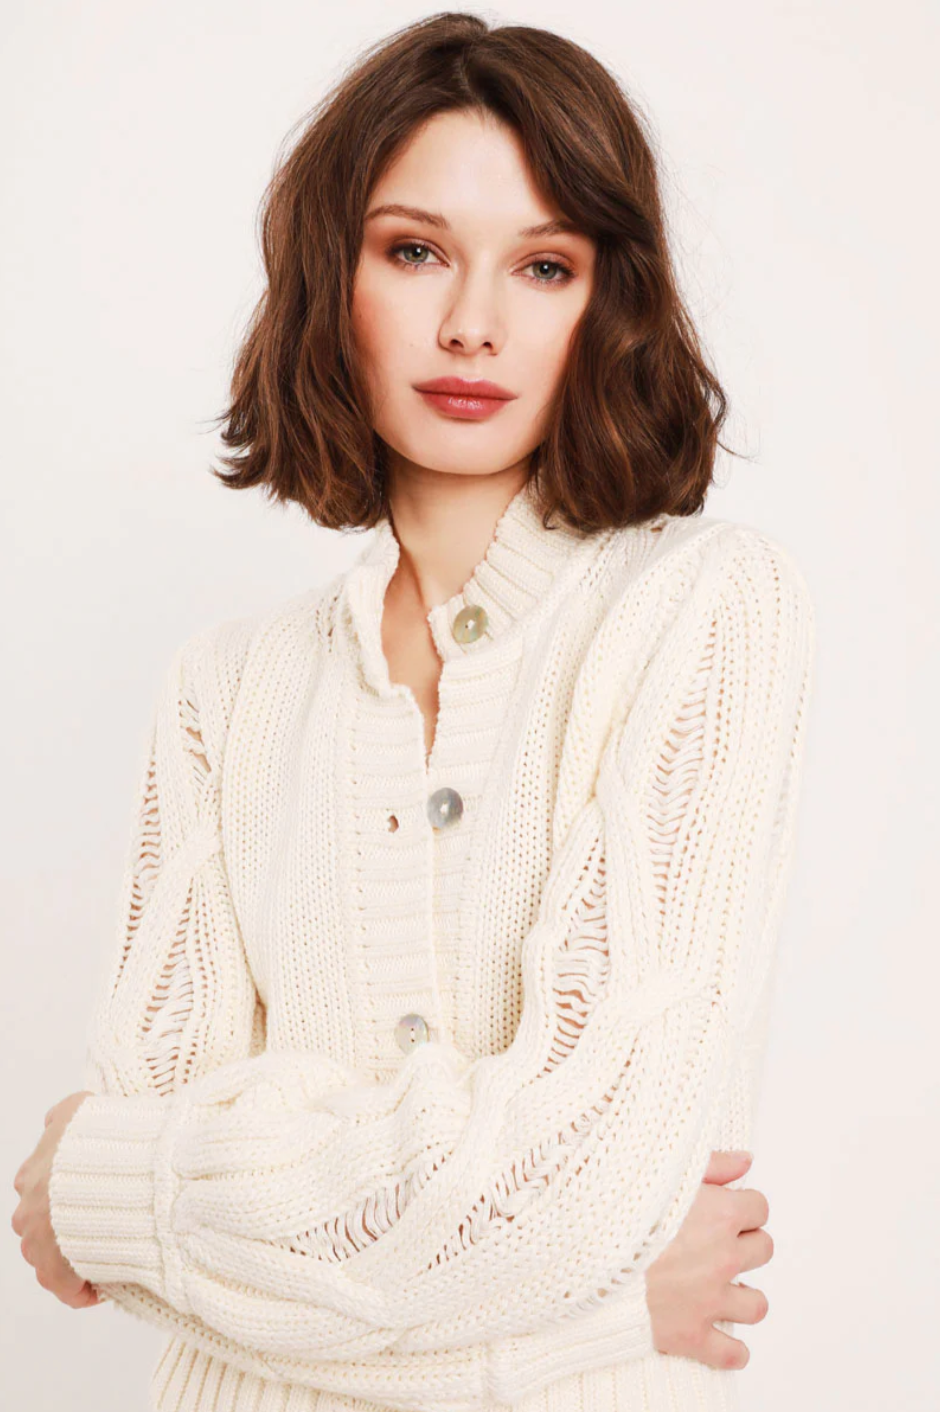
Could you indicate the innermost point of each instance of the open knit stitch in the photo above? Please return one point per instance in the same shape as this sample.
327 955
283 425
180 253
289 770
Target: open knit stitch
323 1222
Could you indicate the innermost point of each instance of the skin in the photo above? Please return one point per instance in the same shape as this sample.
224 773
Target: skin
31 1222
474 299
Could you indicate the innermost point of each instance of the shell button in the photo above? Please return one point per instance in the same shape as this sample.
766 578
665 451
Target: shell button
470 623
411 1031
444 808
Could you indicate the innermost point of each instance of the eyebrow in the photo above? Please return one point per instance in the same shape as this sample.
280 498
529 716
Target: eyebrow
558 226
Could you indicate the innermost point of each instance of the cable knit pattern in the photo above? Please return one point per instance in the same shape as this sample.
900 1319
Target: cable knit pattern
571 907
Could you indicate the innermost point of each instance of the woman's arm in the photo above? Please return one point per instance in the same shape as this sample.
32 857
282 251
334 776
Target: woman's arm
176 998
304 1213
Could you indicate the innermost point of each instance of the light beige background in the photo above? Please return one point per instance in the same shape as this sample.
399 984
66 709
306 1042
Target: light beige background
800 149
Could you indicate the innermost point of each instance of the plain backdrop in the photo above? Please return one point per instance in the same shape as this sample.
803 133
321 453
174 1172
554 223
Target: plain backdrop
799 155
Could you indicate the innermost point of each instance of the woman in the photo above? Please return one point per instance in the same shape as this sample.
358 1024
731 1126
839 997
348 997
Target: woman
436 1013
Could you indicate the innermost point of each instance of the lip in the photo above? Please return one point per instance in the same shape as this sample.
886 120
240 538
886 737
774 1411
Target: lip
477 388
464 399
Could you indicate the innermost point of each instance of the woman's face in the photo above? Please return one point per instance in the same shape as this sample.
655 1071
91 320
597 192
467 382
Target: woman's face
453 286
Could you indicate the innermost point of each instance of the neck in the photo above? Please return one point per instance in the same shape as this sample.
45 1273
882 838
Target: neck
516 573
444 524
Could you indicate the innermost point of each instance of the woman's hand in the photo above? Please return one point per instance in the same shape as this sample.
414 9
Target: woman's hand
691 1284
31 1217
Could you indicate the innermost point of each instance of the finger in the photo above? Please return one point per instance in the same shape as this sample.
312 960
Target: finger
81 1299
64 1283
722 1351
727 1166
754 1248
742 1304
751 1208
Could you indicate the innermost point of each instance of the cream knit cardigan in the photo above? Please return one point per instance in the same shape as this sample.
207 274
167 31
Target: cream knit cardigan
573 904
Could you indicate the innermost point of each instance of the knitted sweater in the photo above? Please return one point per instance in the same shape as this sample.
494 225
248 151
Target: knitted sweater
405 1069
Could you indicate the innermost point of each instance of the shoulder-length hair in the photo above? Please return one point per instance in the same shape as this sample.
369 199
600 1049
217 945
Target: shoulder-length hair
636 417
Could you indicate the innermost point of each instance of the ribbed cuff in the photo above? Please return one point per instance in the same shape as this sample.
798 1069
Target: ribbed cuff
111 1190
619 1329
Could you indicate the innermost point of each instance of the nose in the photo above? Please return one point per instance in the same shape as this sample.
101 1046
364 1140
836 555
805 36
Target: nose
474 318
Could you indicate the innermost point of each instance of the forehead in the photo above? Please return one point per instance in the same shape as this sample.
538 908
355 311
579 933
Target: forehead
459 167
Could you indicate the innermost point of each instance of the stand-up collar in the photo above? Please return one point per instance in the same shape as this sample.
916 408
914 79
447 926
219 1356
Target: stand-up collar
518 573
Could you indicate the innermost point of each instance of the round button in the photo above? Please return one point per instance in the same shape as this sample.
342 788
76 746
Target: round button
445 807
410 1031
470 623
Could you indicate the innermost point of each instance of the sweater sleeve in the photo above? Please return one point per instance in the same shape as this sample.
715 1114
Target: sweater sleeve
304 1213
176 998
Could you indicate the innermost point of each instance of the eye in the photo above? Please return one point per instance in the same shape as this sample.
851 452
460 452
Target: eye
409 245
564 272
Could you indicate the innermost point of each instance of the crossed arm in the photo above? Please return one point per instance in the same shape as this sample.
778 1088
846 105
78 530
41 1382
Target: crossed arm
280 1211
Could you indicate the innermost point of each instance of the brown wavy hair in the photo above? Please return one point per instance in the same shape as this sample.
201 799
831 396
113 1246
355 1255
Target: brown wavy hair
635 423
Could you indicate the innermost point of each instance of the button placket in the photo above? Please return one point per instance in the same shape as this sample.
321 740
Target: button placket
444 810
445 806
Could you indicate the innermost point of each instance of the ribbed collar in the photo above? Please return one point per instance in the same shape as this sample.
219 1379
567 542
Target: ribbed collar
523 569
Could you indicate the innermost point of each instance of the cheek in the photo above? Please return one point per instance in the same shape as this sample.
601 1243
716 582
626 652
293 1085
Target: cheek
384 331
544 355
383 327
383 335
